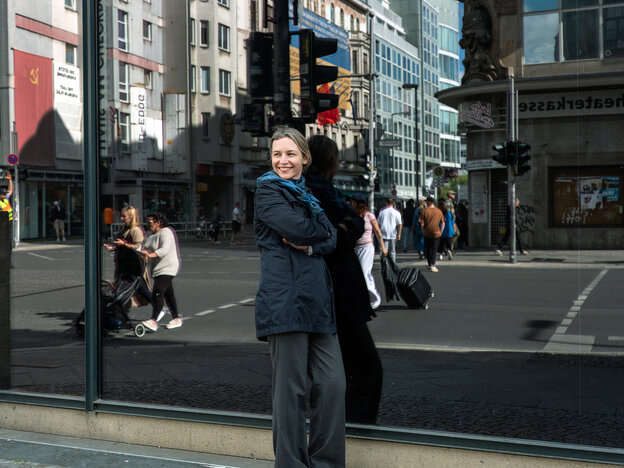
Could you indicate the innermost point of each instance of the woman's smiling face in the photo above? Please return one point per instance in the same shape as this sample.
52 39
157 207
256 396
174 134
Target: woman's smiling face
286 159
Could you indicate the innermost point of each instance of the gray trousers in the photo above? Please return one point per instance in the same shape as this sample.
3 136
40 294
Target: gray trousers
295 358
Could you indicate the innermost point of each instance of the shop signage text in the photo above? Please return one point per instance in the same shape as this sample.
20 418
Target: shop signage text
571 104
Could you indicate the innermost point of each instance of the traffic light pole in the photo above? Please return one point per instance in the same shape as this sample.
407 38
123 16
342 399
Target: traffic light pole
281 56
511 178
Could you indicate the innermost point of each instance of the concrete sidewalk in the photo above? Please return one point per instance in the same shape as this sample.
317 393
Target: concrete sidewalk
20 449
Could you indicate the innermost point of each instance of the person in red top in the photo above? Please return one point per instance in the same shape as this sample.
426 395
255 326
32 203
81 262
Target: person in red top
432 224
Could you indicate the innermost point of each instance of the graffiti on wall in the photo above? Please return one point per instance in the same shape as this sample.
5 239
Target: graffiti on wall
575 215
525 218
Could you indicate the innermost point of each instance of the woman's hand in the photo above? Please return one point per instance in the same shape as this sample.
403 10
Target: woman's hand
147 254
120 242
384 251
298 247
109 247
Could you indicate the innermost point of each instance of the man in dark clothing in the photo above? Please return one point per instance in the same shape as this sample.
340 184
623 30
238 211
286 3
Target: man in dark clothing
505 238
57 216
408 215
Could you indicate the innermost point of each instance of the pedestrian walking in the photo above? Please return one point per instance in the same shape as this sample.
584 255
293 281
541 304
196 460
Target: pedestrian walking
162 252
408 218
505 238
365 249
57 216
419 240
295 310
128 239
5 205
462 224
361 361
445 247
215 220
451 207
432 224
391 225
236 225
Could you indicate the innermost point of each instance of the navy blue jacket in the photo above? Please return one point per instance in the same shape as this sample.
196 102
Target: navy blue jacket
295 291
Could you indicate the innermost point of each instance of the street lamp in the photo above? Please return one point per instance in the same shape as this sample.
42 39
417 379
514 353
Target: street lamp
392 147
414 86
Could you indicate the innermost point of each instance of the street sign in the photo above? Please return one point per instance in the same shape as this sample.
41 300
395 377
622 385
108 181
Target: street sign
12 159
438 172
390 143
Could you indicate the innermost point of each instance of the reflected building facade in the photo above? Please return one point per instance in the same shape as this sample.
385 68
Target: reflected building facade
567 68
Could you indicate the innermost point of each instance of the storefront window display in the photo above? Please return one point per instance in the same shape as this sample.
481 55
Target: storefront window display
587 197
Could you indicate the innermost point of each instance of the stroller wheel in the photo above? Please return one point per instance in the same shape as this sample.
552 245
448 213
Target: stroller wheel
139 330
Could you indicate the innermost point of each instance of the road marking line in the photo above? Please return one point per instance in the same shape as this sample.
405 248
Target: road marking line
227 306
40 256
245 301
206 312
559 342
616 338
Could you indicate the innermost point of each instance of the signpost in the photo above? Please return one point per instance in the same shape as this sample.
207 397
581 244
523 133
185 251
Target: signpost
389 143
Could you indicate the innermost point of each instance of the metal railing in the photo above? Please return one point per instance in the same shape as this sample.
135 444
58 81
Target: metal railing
184 229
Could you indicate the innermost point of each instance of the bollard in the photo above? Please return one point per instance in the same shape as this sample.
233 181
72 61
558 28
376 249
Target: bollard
5 301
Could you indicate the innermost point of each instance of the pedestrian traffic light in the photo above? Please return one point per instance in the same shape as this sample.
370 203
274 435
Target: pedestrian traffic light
522 158
364 161
503 153
312 75
260 65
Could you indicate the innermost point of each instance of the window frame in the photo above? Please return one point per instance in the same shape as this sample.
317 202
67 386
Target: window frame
224 3
559 45
205 125
225 81
204 89
124 85
204 33
223 37
149 25
126 31
193 78
70 47
124 131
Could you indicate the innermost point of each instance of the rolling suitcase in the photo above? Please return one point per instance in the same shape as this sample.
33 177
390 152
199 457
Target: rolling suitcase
414 288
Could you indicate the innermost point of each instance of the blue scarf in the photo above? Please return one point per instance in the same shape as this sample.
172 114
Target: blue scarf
296 187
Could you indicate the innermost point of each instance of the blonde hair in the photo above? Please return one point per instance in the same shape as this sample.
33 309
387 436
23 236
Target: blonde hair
133 222
284 131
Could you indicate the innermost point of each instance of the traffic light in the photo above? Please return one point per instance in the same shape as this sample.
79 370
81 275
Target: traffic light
260 65
503 153
312 75
365 161
522 158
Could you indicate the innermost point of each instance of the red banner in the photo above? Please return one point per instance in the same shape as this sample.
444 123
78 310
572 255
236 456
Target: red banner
34 113
331 116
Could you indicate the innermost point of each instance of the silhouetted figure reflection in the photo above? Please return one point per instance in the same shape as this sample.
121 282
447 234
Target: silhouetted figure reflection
359 355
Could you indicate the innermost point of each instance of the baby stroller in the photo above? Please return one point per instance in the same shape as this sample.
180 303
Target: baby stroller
116 300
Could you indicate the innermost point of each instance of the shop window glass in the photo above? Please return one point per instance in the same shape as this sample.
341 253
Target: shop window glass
580 35
540 38
613 32
587 197
42 255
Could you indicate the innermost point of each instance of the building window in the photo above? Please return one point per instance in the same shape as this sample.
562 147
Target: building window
366 106
357 24
332 14
354 62
70 54
355 104
571 30
124 130
204 33
351 23
205 80
192 32
124 79
71 4
147 31
342 21
193 77
147 79
225 3
224 37
364 62
586 196
205 121
122 30
224 82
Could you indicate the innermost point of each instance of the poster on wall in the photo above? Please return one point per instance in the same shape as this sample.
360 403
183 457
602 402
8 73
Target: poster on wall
68 106
478 197
590 193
